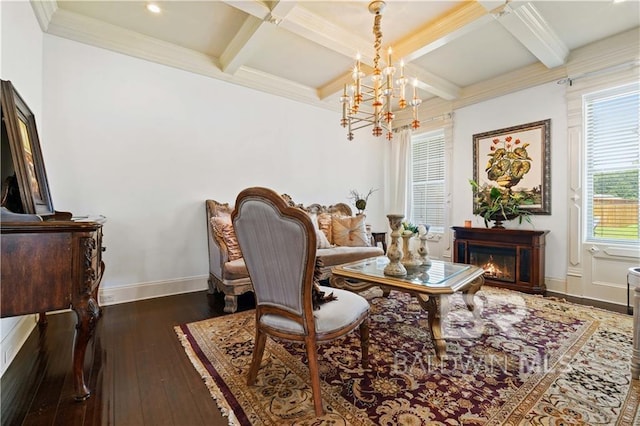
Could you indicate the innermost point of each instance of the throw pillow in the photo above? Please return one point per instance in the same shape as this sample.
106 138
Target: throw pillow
223 228
322 241
349 231
324 223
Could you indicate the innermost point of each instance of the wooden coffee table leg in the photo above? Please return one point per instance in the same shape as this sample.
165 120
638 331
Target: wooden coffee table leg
432 306
470 292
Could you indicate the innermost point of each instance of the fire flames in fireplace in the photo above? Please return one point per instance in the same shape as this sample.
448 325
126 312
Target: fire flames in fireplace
499 263
497 272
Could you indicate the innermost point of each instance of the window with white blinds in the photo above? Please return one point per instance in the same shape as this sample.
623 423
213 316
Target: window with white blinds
613 164
427 180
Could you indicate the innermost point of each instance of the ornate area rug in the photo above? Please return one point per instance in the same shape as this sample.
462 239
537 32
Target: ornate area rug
516 360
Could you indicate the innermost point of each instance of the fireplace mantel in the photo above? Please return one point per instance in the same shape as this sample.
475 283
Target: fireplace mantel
512 258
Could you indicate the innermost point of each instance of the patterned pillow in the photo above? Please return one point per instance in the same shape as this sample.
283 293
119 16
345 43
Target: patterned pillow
223 228
349 231
321 239
325 221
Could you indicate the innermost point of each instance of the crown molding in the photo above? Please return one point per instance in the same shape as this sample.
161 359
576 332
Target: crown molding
259 80
617 49
44 11
522 78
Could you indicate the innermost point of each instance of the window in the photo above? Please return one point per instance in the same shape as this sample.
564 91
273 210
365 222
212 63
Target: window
612 164
427 180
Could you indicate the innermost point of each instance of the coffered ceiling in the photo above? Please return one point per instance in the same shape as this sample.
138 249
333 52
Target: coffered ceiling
304 50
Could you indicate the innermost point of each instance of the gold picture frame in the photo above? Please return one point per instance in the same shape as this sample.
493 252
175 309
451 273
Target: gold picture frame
499 157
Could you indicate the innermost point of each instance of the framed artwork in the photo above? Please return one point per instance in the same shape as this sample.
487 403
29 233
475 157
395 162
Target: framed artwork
516 159
29 177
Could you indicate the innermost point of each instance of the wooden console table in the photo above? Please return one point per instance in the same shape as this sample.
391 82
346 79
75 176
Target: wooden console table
524 249
54 265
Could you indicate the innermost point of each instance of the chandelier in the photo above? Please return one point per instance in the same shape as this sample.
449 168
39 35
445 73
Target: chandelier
365 104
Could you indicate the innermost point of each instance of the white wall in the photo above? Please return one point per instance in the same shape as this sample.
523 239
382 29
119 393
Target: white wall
21 63
534 104
145 145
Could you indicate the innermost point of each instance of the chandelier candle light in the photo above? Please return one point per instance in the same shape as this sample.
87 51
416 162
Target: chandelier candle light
356 113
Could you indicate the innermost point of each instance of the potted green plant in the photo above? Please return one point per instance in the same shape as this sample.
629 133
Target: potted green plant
360 200
409 227
496 205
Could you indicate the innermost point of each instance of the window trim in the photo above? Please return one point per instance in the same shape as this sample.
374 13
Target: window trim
586 98
436 133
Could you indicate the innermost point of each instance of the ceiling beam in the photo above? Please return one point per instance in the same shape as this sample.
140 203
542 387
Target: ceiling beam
253 8
246 41
256 28
432 83
527 25
304 23
462 20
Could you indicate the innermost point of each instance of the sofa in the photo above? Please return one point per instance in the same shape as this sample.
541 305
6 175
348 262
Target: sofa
342 238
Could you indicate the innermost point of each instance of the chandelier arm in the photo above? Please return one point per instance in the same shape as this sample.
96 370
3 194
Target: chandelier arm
362 116
356 120
367 123
361 127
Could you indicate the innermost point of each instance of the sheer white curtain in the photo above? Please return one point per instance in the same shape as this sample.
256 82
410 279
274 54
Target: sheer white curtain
397 172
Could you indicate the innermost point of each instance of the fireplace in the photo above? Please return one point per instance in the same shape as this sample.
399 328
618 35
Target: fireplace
499 263
511 258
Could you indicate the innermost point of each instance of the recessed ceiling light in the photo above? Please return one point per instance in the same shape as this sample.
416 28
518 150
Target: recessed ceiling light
619 1
153 8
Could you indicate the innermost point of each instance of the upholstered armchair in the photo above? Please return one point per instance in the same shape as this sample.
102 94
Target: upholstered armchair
279 247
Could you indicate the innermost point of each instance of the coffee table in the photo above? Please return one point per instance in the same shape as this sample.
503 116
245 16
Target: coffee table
427 283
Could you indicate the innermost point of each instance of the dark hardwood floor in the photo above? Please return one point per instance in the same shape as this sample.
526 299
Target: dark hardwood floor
135 365
136 368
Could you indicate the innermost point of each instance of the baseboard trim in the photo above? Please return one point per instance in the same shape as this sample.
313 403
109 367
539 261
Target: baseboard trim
13 341
150 290
560 288
556 285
